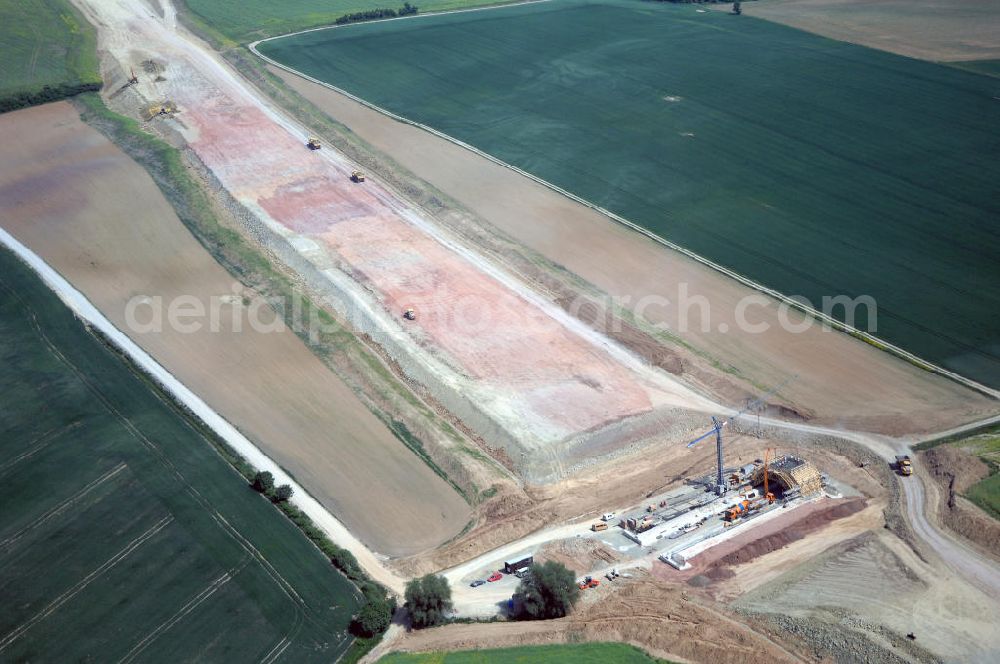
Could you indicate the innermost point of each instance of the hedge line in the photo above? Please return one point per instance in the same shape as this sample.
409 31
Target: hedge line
48 93
377 13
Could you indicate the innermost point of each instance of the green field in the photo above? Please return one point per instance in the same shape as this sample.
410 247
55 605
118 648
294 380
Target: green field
248 20
124 536
45 43
815 167
582 653
986 492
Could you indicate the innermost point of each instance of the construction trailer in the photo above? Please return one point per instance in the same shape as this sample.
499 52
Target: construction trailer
517 564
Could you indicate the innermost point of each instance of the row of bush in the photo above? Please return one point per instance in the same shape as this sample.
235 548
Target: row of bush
376 612
377 13
48 93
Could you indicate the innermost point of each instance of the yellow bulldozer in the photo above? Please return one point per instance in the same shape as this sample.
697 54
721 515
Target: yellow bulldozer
313 143
357 176
159 108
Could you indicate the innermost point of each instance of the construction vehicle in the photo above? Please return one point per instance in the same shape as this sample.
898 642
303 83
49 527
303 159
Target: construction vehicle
598 527
357 176
410 314
589 582
612 575
904 465
313 143
133 80
159 108
742 508
637 525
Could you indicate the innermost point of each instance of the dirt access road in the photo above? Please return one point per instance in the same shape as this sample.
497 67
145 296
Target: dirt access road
95 216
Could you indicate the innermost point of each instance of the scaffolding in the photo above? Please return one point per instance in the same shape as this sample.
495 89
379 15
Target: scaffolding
791 473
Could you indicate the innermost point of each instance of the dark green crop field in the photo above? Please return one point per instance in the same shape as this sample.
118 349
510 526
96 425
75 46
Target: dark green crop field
44 43
578 653
124 536
815 167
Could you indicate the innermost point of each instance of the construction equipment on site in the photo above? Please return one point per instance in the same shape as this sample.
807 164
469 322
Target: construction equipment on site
720 481
357 176
313 143
768 496
612 575
639 525
904 465
742 508
133 80
410 314
589 582
158 108
599 526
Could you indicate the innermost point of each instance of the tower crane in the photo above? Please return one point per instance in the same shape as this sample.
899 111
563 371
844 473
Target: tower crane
718 426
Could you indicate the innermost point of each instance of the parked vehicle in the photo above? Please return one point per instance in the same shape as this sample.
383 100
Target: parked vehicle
515 565
495 576
477 583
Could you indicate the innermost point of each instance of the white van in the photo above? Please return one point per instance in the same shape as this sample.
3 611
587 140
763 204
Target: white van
608 516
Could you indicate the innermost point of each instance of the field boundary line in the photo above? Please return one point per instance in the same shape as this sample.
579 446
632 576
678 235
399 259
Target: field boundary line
867 337
61 507
85 581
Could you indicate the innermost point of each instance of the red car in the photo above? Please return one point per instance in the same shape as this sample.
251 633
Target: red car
495 576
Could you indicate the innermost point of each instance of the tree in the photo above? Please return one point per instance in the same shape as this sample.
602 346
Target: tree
374 617
549 591
263 481
428 598
283 493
